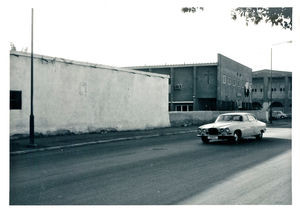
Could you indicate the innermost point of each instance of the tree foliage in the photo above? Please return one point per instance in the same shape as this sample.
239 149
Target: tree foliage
191 9
278 16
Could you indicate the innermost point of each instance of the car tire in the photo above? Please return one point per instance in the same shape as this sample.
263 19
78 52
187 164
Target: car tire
237 136
205 140
259 136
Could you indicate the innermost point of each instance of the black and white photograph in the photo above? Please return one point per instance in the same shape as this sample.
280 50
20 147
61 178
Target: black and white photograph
150 103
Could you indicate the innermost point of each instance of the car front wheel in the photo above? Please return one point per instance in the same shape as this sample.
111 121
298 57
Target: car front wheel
237 136
205 140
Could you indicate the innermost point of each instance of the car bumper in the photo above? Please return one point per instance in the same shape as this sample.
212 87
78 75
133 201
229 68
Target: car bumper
217 137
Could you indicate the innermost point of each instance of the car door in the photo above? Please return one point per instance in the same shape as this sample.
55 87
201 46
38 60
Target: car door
246 127
253 125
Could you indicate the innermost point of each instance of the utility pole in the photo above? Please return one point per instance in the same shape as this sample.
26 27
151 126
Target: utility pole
31 118
271 92
271 71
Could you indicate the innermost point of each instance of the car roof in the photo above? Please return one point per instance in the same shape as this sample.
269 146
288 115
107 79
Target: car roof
236 113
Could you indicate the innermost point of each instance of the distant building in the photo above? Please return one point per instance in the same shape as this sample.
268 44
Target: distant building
281 90
224 85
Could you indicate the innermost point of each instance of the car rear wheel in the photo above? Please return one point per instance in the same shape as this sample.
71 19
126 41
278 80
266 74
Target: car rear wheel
205 140
259 136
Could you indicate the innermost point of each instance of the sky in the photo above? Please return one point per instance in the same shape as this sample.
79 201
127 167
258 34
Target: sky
134 32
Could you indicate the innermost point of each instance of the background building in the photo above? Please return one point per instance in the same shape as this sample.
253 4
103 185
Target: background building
224 85
281 90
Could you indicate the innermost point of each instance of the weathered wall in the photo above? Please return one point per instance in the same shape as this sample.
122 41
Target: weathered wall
83 97
236 75
203 117
206 82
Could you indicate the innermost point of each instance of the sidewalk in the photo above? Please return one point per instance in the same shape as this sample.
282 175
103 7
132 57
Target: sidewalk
20 146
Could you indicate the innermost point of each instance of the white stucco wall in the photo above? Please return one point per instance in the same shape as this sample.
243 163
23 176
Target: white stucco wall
83 97
203 117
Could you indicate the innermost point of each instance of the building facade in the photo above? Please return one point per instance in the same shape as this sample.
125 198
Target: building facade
224 85
281 90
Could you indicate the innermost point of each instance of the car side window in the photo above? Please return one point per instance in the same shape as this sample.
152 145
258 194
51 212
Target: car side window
251 118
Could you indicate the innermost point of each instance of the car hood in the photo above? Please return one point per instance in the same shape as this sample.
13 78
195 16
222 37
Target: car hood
218 125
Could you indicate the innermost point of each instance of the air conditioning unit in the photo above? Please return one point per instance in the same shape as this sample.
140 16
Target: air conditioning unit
178 87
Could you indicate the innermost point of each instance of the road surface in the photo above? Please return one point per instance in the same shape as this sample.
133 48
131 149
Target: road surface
175 169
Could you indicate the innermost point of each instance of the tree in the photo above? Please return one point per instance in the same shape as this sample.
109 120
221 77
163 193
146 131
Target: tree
12 47
191 9
281 16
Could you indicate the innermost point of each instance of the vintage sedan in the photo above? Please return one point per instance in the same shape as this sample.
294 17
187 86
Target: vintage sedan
232 127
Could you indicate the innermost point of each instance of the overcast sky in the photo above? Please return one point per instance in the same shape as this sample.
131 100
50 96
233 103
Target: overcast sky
135 32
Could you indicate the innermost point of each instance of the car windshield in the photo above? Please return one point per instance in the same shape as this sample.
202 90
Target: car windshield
222 118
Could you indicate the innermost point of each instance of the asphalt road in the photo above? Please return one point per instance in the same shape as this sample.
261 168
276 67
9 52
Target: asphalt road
176 169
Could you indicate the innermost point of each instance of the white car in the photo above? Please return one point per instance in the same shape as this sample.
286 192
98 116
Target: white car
278 114
232 127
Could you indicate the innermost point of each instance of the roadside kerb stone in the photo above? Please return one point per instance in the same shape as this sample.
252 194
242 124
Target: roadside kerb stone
99 142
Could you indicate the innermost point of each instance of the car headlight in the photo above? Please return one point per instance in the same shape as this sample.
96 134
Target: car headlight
221 130
227 130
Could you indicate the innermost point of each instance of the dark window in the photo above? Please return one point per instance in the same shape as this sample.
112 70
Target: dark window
15 99
184 108
178 108
190 107
261 90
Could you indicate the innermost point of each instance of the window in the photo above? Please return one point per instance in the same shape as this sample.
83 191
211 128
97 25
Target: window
184 107
251 118
261 90
15 99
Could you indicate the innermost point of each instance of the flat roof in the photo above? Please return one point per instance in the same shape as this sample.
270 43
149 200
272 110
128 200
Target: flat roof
266 72
173 65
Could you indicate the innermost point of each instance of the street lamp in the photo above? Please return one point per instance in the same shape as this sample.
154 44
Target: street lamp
31 117
270 111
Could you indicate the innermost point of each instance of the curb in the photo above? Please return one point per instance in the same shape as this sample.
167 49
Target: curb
99 142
